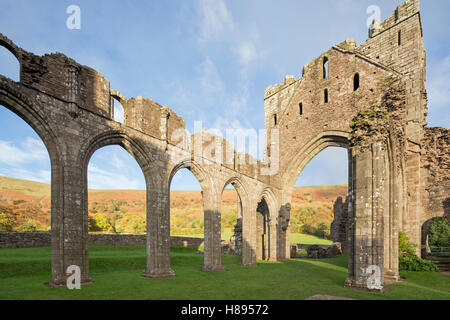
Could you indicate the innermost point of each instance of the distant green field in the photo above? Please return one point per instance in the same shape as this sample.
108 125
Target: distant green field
295 237
307 239
116 272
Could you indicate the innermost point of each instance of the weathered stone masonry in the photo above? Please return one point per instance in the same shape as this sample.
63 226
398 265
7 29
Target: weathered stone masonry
43 239
369 99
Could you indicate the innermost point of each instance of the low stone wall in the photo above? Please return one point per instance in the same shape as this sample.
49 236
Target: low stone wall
42 239
318 251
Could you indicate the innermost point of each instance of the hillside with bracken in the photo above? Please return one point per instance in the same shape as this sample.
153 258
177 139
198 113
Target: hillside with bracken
25 207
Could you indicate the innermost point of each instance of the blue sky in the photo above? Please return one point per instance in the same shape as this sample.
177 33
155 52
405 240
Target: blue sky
208 60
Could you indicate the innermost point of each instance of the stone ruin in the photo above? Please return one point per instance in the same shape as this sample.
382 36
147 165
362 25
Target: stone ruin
370 99
340 224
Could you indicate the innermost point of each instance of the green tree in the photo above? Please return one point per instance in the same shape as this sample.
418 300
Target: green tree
439 235
103 222
138 225
92 224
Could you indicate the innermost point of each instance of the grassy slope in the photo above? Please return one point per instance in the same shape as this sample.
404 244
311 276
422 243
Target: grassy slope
117 275
26 187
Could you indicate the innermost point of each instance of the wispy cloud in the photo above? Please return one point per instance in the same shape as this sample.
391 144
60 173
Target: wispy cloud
102 179
214 18
29 151
247 52
209 78
119 112
22 173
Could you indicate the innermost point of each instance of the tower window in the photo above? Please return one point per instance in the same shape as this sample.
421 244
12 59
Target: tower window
325 68
400 38
300 108
275 120
396 14
325 95
356 82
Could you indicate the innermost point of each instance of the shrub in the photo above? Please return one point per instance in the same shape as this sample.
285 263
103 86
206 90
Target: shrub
439 235
407 258
28 226
7 222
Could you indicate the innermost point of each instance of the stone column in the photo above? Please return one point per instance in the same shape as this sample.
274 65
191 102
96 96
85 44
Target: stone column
158 225
69 223
271 240
213 249
259 234
249 245
369 190
281 235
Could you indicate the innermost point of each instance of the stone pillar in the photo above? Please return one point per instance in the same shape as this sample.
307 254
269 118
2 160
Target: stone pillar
69 223
259 235
249 245
392 213
282 233
213 250
271 240
158 225
370 191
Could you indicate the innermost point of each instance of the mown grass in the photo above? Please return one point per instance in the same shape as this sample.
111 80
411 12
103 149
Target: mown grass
117 271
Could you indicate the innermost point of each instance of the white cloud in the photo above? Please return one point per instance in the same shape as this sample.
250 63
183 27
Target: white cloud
222 124
116 162
30 151
214 18
102 179
246 52
21 173
119 112
210 80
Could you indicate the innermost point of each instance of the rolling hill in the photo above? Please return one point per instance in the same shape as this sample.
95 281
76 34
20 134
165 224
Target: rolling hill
25 206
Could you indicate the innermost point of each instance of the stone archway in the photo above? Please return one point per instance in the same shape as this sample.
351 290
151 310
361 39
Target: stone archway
266 226
155 173
248 221
35 118
325 139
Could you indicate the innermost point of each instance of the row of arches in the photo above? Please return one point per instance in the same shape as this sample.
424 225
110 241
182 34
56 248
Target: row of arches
98 144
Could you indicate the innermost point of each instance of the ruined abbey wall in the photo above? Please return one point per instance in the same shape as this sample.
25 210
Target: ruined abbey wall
369 99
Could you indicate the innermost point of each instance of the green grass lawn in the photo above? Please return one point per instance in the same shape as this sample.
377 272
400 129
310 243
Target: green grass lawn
117 271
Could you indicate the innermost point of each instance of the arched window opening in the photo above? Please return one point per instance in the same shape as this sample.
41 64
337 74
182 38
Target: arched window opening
325 96
116 194
231 220
436 238
186 205
9 65
262 231
25 176
118 111
325 68
356 82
